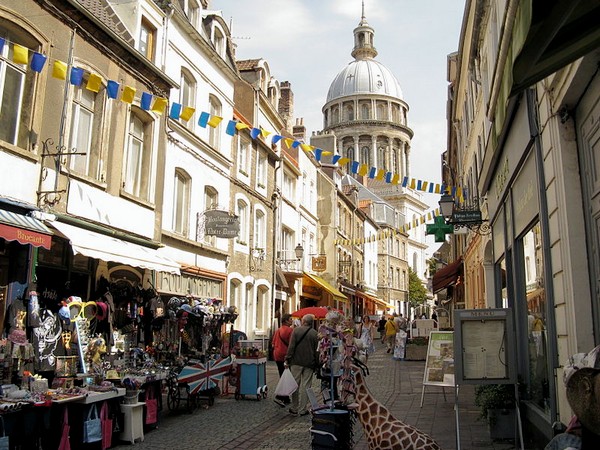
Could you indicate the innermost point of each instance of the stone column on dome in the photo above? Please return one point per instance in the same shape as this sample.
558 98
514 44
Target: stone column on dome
374 161
407 160
356 148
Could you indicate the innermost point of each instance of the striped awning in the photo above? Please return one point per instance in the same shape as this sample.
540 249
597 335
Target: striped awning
24 229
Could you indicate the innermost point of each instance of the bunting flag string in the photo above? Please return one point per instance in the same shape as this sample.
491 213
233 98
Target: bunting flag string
384 234
158 105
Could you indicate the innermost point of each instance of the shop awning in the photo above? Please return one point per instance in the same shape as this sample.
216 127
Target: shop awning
448 275
375 300
280 279
325 285
109 248
24 229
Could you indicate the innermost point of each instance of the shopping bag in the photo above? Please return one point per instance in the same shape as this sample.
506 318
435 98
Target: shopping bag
92 427
151 407
107 427
65 444
287 384
4 437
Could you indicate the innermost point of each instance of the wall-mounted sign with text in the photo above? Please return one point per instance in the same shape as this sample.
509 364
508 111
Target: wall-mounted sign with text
221 224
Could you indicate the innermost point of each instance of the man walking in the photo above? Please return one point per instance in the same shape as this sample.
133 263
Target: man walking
302 358
281 342
390 334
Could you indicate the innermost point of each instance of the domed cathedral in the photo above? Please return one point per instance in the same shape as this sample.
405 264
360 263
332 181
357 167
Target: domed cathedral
366 112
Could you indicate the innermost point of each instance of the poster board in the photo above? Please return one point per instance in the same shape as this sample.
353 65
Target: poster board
484 343
439 365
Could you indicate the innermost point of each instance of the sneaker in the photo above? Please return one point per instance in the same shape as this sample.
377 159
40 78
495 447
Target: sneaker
388 350
279 402
293 412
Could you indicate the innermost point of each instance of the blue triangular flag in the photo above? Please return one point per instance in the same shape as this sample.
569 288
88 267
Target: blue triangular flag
335 159
355 166
76 77
112 89
372 172
276 139
175 111
318 153
230 130
203 119
146 101
254 133
37 61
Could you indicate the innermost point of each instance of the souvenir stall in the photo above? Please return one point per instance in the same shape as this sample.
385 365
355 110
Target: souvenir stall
91 370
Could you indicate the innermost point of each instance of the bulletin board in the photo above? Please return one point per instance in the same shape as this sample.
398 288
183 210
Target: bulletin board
484 340
439 365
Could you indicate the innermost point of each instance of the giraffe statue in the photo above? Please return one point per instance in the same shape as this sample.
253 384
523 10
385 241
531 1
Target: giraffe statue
384 431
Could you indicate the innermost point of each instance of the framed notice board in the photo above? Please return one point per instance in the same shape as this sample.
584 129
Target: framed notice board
439 366
484 342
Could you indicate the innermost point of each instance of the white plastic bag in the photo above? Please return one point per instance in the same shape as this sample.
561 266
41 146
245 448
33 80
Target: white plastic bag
287 384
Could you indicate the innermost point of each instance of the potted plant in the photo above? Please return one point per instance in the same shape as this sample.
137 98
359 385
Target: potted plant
497 405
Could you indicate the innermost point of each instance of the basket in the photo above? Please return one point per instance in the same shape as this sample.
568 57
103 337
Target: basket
131 396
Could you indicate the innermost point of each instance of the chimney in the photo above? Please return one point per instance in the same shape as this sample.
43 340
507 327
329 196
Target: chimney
299 130
286 104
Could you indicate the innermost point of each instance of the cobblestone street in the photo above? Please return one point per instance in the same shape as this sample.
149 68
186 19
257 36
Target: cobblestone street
253 424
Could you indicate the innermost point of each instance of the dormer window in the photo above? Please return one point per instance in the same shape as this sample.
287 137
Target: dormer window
219 41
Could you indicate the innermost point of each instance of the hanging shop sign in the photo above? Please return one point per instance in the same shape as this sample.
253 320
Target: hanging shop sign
221 224
319 263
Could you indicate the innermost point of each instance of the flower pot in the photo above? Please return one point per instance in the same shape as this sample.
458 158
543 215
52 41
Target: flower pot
501 423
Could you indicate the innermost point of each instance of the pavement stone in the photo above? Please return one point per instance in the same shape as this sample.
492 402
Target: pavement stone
253 424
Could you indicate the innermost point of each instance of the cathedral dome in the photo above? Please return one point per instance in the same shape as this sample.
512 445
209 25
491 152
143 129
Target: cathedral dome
364 77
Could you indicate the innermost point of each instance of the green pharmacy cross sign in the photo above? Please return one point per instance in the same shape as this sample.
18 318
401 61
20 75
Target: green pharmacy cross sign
439 229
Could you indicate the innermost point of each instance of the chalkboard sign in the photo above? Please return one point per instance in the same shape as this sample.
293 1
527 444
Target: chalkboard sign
439 366
484 342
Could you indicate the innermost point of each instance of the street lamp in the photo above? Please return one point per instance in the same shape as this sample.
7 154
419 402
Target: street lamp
467 216
298 252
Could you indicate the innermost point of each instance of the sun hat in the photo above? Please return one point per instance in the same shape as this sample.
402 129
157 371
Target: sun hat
582 361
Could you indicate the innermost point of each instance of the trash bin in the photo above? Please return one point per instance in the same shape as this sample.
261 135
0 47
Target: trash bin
331 429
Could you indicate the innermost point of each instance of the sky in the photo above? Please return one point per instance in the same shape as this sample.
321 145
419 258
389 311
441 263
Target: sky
307 42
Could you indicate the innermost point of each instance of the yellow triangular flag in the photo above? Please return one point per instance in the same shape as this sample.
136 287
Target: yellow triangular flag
264 133
187 113
437 188
240 126
214 121
380 174
412 183
363 169
422 221
159 105
94 82
128 94
59 70
288 142
343 161
306 147
395 179
424 186
20 54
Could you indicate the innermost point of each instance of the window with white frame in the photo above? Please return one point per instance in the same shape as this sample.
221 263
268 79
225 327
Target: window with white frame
219 41
289 186
16 88
244 149
191 11
85 132
311 194
260 230
181 202
304 187
138 156
261 170
214 133
187 94
242 212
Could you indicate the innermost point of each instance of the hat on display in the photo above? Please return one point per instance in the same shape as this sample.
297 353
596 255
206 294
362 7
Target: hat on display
64 313
582 361
101 310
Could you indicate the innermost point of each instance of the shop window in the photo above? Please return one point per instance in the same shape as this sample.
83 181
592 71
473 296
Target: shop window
16 88
535 296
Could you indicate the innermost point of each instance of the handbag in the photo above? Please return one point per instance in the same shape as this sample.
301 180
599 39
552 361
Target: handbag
107 427
4 438
287 384
65 444
151 407
92 427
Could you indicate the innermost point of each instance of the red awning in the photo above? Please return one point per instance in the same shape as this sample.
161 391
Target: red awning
448 275
24 229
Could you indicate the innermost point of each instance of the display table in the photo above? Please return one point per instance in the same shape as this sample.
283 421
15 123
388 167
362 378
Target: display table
133 425
252 377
